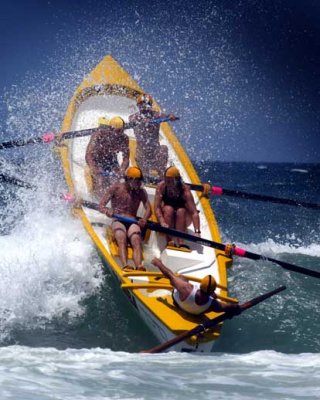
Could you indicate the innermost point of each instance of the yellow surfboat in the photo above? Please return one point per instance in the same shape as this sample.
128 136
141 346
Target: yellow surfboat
108 91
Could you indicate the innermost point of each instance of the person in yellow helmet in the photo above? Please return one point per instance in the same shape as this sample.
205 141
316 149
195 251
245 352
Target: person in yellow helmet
102 153
175 207
195 298
150 155
125 198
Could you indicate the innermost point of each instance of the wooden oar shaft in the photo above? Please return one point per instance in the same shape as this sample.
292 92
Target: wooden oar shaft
209 324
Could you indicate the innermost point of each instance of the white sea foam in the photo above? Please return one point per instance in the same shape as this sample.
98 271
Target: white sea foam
43 373
45 269
302 171
270 248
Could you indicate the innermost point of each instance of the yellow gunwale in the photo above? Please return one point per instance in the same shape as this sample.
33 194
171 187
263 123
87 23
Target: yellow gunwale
109 77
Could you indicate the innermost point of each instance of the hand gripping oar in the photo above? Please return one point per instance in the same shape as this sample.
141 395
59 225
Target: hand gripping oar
219 191
229 249
210 323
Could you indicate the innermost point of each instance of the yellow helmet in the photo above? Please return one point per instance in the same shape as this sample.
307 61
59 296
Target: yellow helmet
172 172
117 123
145 99
134 173
208 284
103 121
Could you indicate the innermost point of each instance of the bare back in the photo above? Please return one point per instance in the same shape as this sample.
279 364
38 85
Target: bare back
104 146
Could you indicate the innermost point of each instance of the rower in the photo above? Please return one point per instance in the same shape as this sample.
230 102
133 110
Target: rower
175 207
102 154
195 298
126 198
150 155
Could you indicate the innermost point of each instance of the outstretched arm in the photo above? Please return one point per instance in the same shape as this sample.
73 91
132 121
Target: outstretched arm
232 309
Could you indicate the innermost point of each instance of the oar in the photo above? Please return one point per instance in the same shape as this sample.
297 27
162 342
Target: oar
219 191
229 249
15 181
210 323
46 138
50 137
159 120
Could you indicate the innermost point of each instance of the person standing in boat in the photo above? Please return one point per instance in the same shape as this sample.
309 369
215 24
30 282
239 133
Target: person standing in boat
174 206
102 154
150 155
126 198
195 298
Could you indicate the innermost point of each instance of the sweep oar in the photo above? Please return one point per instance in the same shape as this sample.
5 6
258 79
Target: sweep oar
208 324
227 248
50 137
46 138
219 191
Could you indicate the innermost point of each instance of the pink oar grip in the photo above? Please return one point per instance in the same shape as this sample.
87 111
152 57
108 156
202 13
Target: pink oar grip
216 190
68 197
239 252
48 137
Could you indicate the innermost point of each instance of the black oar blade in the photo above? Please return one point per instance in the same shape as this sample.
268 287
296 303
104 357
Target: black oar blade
209 324
271 199
47 138
15 181
283 264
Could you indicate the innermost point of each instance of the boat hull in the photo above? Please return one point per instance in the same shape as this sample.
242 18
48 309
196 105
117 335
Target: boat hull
107 91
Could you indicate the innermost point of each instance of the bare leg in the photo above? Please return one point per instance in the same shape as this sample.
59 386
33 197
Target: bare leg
134 235
120 234
181 222
169 216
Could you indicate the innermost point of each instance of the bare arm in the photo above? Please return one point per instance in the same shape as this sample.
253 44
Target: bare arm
217 306
89 155
147 207
105 200
125 156
157 204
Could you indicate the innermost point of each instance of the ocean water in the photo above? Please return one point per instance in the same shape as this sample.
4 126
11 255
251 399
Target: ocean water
67 330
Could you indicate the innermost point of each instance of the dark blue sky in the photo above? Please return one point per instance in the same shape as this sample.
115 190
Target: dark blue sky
242 75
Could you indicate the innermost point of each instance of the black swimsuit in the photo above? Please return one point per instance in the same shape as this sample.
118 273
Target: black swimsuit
175 202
